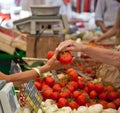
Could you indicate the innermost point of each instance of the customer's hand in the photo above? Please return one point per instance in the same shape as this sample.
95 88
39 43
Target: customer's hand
69 45
3 76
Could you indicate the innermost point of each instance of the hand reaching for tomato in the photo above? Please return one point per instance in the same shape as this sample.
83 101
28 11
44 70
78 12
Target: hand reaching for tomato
65 57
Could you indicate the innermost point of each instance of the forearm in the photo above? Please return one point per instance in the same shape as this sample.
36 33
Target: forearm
23 77
110 57
108 34
101 25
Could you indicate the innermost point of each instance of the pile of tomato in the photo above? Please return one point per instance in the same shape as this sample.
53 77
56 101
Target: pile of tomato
74 91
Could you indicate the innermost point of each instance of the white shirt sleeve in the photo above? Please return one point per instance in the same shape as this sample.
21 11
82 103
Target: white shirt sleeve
100 9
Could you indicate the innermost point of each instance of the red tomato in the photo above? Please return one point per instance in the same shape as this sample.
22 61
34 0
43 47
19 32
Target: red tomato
38 85
117 102
74 84
73 75
86 89
102 96
69 70
62 102
104 103
118 90
81 84
64 94
93 94
71 88
47 93
55 95
81 100
62 83
49 81
73 105
88 70
65 57
75 94
56 87
109 88
90 86
45 86
50 54
37 79
99 88
111 105
112 96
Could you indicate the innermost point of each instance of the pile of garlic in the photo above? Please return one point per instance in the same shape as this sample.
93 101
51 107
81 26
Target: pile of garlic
49 106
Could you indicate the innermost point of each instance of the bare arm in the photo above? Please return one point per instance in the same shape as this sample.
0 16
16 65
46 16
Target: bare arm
101 25
22 77
107 56
99 15
108 34
111 32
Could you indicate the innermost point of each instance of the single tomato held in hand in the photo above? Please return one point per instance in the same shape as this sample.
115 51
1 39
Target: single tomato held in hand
65 57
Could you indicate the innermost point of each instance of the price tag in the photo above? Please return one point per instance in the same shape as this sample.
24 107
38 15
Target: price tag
33 96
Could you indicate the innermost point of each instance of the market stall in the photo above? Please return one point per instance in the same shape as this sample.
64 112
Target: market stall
78 89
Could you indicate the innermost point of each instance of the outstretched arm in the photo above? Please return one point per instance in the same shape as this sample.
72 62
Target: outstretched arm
22 77
107 56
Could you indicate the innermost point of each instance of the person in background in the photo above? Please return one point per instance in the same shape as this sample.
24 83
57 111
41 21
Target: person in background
115 30
66 8
105 14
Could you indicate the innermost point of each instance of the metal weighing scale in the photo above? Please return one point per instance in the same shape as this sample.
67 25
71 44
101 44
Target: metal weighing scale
45 21
43 16
8 98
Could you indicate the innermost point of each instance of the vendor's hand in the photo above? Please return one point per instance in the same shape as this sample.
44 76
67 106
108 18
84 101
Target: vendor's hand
69 45
95 40
105 29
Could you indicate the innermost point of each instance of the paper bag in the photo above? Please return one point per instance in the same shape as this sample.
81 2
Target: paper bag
109 75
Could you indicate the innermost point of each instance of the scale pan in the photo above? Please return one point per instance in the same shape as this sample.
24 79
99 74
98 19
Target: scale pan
45 10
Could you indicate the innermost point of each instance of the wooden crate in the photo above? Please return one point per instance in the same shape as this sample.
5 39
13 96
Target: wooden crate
11 39
44 44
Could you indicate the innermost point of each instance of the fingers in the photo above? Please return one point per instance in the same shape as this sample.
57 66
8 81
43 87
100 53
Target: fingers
56 52
65 45
92 41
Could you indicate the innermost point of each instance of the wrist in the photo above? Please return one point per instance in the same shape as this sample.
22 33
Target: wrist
44 68
83 48
101 38
37 70
8 79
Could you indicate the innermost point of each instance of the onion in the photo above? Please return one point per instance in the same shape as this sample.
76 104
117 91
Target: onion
109 110
83 109
97 108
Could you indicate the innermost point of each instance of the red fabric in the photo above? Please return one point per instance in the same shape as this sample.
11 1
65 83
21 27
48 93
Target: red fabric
87 5
78 6
67 1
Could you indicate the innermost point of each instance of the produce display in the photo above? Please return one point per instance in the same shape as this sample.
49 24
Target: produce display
72 93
